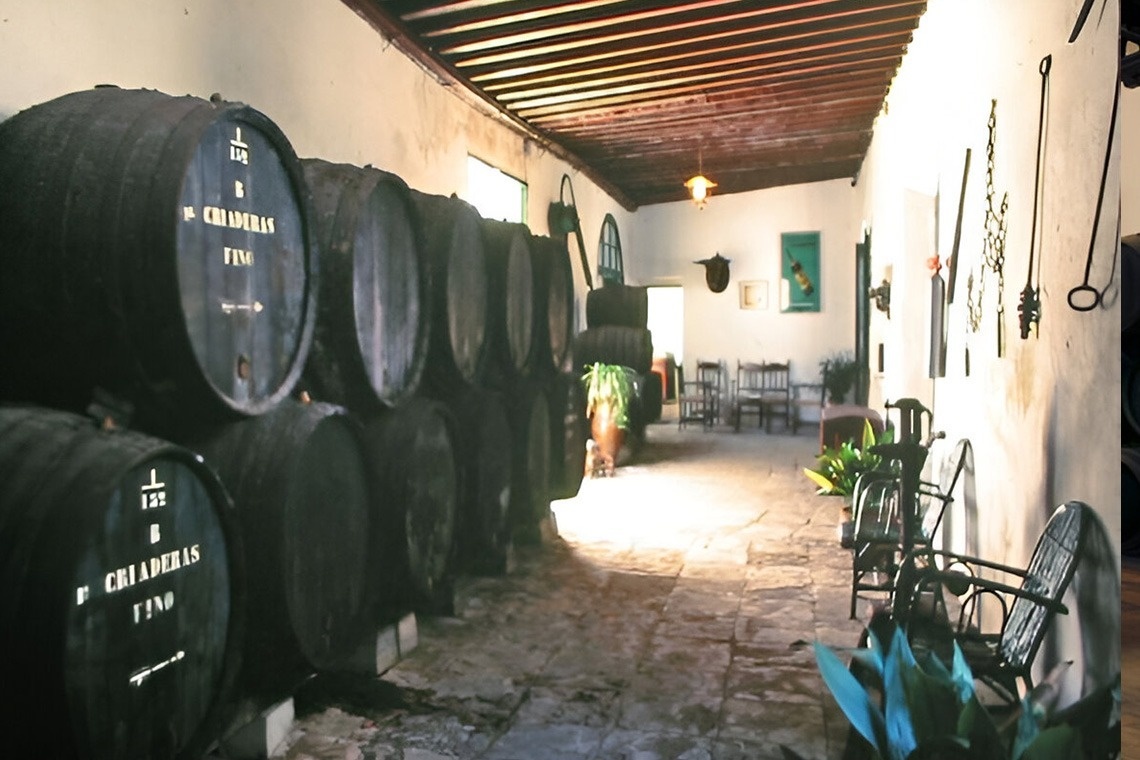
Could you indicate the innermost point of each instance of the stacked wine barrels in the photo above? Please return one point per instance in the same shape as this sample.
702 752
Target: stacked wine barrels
219 471
617 333
160 276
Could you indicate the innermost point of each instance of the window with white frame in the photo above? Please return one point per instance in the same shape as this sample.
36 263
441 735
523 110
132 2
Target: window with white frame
610 268
496 194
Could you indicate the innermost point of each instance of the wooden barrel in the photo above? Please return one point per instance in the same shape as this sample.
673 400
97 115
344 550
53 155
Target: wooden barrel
629 346
569 430
120 591
511 296
617 304
650 396
300 489
410 455
529 415
157 247
370 343
554 303
483 453
457 260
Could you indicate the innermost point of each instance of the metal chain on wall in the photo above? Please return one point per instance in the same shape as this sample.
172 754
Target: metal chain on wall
993 248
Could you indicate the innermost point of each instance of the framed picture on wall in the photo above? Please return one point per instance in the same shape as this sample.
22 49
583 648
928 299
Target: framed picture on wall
799 271
754 294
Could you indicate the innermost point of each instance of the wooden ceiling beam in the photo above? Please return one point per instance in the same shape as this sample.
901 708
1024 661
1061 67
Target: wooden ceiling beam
573 51
787 63
749 50
633 94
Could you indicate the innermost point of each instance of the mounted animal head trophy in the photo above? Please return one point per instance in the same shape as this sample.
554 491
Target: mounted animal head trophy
716 272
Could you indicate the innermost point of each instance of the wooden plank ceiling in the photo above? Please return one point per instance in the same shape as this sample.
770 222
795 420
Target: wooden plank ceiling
642 93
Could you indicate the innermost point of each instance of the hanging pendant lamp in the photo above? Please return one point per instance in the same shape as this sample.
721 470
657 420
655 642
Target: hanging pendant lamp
700 185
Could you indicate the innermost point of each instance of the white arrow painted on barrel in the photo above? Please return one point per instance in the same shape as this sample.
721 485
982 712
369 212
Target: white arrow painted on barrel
139 676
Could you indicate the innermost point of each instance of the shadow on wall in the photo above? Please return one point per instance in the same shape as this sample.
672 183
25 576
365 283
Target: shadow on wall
1097 589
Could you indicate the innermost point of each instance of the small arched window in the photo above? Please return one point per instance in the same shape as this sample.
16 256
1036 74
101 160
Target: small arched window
610 267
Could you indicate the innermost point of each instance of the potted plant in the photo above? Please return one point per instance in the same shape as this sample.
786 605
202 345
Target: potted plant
838 469
838 371
907 705
610 392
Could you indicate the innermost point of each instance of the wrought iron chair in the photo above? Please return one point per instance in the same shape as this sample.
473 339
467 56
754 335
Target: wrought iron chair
1027 600
877 550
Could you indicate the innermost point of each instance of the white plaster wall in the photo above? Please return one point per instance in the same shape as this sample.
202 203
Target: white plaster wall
337 89
1043 419
745 228
1129 127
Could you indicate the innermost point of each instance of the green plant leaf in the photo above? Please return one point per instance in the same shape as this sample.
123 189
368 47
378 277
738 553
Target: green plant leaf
851 697
961 675
821 480
901 739
1056 743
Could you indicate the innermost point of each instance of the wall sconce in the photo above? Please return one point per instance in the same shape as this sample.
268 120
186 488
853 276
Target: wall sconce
700 185
882 296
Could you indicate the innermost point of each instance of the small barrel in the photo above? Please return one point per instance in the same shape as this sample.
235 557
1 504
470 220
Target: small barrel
157 247
370 343
121 591
554 303
300 489
569 430
410 457
511 297
529 414
618 305
629 346
483 453
453 244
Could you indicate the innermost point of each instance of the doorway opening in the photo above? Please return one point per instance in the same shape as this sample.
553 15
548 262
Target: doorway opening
666 323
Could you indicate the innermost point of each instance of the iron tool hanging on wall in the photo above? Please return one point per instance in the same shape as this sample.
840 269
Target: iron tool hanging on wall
1078 294
1029 309
952 274
716 272
562 218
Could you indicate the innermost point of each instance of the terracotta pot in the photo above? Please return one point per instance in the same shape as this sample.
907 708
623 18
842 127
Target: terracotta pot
846 528
607 435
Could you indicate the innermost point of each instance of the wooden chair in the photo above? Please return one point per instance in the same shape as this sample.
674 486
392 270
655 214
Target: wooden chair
709 373
775 393
1027 599
748 393
808 396
694 401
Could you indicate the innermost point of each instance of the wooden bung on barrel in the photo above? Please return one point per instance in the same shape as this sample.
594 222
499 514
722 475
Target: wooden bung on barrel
449 229
300 493
373 314
157 247
120 591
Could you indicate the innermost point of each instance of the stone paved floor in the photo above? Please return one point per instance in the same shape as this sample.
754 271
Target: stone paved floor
672 618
